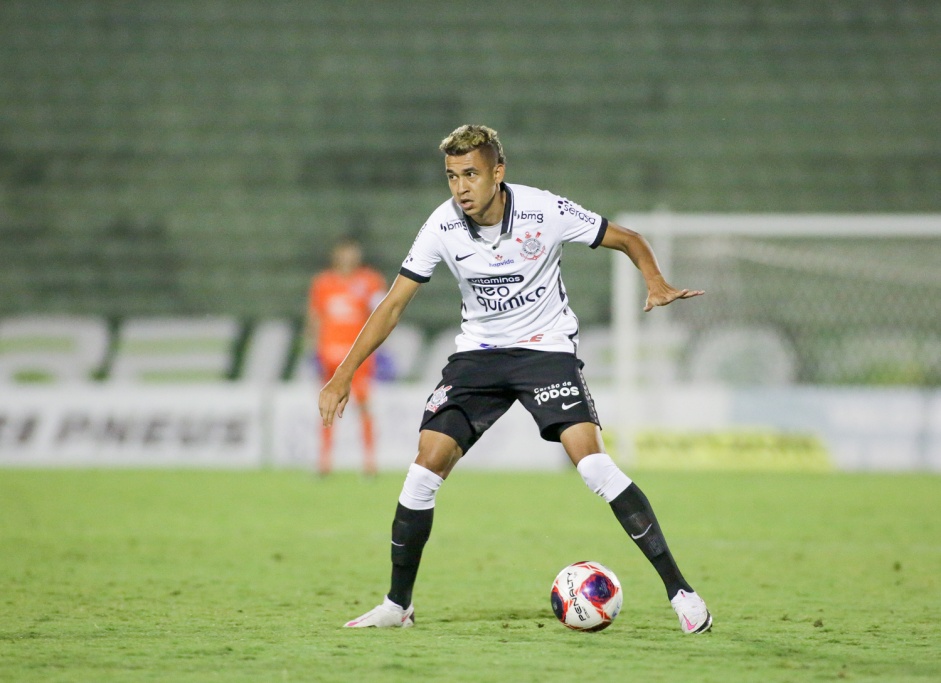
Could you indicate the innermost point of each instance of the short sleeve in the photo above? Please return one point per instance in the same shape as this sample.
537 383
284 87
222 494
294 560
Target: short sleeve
422 257
580 224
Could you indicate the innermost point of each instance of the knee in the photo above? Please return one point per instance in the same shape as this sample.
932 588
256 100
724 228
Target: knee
603 476
437 452
420 488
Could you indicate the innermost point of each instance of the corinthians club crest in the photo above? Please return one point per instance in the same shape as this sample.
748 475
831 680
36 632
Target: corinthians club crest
438 399
532 247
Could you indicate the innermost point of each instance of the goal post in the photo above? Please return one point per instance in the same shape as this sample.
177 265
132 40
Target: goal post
816 325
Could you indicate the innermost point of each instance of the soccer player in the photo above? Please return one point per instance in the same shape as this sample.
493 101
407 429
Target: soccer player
518 342
340 301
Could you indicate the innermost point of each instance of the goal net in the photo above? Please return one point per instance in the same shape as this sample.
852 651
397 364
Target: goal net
817 332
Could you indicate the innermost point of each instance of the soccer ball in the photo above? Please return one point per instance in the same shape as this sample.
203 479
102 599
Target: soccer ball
586 596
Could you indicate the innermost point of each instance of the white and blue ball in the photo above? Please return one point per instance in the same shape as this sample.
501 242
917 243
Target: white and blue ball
586 596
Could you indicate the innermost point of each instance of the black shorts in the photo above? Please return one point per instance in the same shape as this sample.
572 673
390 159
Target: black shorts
477 387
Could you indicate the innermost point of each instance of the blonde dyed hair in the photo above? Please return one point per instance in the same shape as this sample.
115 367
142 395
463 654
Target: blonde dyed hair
467 138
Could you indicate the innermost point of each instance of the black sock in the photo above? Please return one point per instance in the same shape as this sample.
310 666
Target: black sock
410 531
633 511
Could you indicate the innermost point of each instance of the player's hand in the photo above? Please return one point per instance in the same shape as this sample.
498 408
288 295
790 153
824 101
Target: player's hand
661 293
333 398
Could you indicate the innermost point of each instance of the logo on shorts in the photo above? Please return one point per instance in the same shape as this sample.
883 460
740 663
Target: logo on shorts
562 390
532 247
438 399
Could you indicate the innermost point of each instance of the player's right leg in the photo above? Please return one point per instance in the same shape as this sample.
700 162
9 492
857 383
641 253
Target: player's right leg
465 403
411 527
325 455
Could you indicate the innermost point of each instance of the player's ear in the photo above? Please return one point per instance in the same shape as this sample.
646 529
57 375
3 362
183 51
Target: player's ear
498 172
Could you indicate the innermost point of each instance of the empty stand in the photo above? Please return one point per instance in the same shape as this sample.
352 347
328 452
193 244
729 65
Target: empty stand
175 158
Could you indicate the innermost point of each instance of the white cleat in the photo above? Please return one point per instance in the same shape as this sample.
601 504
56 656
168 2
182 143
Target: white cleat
386 615
691 609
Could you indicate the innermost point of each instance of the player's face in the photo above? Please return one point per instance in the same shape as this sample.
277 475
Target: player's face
346 257
475 180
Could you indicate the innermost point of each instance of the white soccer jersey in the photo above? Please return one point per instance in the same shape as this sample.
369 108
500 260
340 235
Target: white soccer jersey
512 289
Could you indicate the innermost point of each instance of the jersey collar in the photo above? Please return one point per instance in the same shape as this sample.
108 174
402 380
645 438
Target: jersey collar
506 227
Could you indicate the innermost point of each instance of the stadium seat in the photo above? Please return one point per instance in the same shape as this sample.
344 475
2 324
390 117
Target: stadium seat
52 348
160 350
267 353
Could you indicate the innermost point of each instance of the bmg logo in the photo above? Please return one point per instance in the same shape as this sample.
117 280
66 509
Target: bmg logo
530 216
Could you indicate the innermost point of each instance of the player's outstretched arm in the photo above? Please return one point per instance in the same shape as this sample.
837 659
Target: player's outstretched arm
336 392
659 291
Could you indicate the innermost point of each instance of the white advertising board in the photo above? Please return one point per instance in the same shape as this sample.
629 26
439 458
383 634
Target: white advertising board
862 428
229 425
91 425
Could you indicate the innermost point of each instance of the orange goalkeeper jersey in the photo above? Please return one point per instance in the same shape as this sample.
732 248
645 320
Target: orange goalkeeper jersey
342 303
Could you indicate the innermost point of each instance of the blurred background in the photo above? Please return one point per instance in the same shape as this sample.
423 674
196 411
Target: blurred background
192 159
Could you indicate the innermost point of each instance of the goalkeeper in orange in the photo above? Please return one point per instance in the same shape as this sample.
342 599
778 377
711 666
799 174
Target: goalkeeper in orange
340 300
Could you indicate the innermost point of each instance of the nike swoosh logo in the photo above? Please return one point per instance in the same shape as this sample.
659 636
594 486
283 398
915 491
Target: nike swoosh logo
640 536
566 406
461 258
398 545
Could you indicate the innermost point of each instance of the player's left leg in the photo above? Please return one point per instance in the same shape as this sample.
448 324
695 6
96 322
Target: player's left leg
585 448
553 389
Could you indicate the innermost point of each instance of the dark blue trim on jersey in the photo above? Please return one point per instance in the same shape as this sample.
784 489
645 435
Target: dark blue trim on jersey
507 225
600 236
421 279
561 286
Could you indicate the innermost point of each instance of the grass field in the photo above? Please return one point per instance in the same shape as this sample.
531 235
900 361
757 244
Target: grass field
226 576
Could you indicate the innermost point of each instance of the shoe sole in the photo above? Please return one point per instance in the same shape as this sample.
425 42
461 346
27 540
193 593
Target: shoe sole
408 623
706 626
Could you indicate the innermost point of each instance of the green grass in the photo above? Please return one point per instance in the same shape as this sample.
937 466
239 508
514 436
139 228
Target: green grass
222 576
